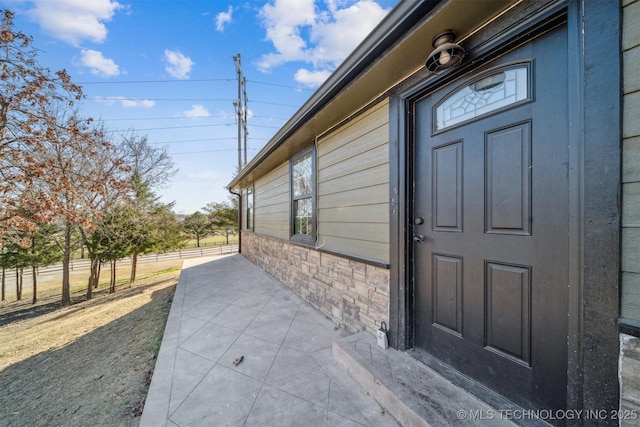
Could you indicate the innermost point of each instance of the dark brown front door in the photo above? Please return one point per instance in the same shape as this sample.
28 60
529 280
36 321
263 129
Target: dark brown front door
491 224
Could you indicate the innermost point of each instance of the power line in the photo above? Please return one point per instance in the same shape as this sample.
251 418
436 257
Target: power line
275 103
154 81
188 99
160 99
265 126
193 140
179 127
210 151
300 88
188 127
220 116
280 85
205 140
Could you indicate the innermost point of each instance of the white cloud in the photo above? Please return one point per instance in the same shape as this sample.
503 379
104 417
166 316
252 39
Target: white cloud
223 18
127 102
98 64
311 78
196 111
74 20
300 31
284 21
178 65
341 33
226 115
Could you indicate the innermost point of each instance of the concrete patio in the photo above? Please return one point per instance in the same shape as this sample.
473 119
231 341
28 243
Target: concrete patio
242 349
226 308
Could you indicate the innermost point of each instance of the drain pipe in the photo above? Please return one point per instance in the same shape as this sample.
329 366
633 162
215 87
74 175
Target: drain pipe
239 218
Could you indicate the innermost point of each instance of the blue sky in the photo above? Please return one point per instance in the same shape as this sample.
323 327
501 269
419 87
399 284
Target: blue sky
165 69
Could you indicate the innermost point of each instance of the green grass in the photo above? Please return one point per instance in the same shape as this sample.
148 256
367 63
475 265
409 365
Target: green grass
165 271
125 280
212 241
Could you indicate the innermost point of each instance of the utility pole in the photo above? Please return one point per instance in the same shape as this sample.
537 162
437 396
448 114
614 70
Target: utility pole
241 111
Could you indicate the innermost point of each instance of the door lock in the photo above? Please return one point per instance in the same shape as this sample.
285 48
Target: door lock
418 238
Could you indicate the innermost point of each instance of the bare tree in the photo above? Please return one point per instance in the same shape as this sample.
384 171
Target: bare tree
151 166
83 175
26 91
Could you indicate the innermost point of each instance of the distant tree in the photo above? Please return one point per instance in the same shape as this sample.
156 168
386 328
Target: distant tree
15 257
44 251
92 241
117 243
152 224
223 217
26 93
153 227
197 225
170 232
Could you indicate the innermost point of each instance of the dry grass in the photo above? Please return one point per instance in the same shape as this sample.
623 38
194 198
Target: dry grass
86 364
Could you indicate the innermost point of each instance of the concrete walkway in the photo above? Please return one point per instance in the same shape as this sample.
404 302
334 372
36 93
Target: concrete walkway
226 310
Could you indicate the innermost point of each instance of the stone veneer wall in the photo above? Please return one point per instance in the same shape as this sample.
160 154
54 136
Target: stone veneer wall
351 293
630 379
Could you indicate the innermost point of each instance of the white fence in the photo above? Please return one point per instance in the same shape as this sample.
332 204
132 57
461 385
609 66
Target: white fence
85 264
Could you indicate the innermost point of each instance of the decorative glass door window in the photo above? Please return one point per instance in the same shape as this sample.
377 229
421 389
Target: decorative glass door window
494 91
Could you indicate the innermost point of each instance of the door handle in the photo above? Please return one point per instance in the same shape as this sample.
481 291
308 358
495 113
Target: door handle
418 238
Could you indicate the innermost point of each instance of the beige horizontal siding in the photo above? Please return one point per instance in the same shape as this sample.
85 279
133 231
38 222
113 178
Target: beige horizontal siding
630 250
631 60
375 232
364 197
351 167
630 293
631 124
631 27
353 214
375 175
631 215
353 186
631 160
271 207
339 153
630 298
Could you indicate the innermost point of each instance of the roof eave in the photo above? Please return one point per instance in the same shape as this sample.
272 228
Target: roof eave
404 16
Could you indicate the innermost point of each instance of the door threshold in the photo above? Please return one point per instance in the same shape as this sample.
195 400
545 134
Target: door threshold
496 401
418 390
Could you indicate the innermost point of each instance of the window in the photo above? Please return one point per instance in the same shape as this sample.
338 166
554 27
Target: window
303 197
492 92
250 208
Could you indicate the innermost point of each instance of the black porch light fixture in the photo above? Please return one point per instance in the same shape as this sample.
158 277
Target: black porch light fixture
446 54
